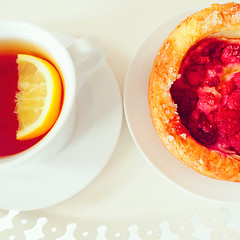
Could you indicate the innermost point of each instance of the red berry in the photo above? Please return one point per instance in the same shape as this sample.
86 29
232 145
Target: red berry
212 76
207 102
233 100
226 87
217 49
195 75
231 54
199 59
236 79
203 130
211 81
227 122
235 142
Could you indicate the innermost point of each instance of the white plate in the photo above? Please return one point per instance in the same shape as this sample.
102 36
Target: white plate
143 133
98 126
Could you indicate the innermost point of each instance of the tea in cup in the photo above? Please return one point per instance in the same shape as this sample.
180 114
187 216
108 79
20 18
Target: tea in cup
39 80
31 96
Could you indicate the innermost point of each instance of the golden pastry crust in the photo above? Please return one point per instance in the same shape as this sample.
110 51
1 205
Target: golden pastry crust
221 19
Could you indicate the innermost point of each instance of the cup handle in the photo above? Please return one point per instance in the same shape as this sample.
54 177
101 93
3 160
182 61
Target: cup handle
88 54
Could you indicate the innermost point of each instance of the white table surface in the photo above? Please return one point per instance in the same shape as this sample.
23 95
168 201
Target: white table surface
129 199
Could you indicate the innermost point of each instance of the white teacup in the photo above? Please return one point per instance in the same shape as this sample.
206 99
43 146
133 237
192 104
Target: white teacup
76 64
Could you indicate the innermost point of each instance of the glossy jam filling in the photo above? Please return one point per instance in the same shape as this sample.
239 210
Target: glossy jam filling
207 93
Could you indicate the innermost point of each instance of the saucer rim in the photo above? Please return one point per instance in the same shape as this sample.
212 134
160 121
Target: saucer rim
26 204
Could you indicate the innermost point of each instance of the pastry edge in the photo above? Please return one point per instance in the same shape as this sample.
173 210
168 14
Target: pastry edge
216 19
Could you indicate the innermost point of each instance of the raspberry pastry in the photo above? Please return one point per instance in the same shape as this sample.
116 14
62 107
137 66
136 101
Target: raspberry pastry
194 92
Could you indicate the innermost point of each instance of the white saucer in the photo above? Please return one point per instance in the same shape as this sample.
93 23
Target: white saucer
98 126
143 133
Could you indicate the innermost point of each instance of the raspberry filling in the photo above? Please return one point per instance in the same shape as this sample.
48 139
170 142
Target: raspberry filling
207 93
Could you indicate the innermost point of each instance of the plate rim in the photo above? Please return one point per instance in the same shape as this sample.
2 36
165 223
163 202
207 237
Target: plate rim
182 15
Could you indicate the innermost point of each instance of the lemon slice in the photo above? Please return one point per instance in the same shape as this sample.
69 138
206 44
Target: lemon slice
38 101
